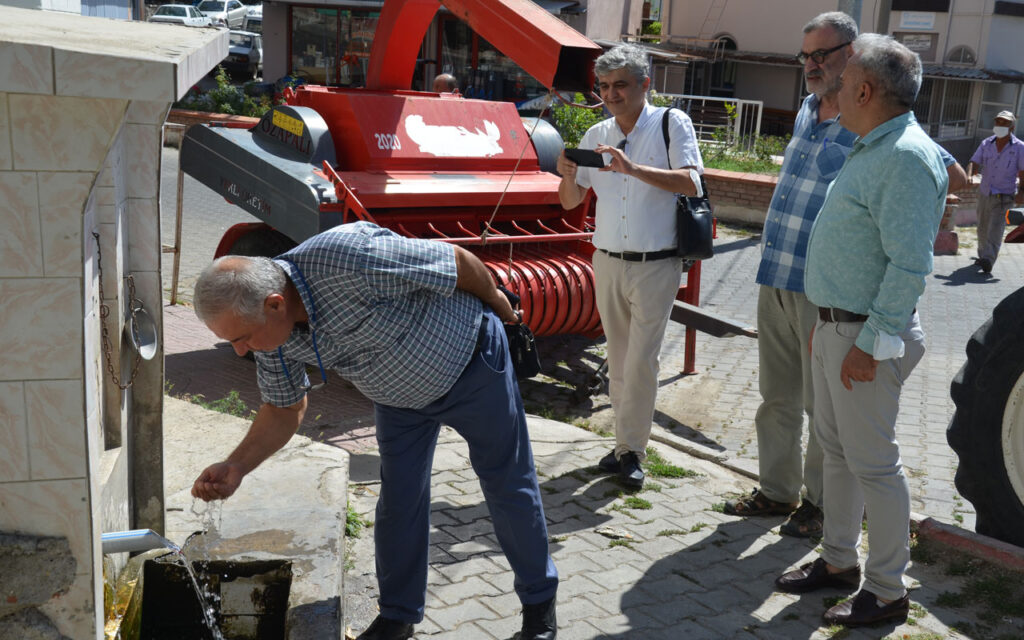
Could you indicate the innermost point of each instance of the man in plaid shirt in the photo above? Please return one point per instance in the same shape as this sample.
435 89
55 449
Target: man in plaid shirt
416 326
784 315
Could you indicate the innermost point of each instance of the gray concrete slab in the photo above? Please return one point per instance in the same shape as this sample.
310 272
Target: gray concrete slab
290 508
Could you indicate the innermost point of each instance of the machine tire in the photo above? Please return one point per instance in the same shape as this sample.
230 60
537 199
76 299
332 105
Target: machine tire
546 141
264 241
987 429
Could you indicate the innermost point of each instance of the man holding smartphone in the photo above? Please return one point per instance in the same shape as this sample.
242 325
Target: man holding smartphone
635 265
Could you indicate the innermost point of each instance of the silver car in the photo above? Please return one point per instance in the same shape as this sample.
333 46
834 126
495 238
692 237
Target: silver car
224 13
184 14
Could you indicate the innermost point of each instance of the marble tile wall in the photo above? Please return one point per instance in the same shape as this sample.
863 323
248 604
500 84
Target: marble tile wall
51 151
74 161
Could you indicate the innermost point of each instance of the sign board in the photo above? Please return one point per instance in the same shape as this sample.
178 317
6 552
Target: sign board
923 44
924 20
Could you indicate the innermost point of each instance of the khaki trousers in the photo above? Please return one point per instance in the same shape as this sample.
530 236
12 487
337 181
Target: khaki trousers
863 469
634 300
992 223
784 323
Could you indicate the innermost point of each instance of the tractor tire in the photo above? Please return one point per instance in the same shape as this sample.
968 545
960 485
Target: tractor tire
265 241
987 430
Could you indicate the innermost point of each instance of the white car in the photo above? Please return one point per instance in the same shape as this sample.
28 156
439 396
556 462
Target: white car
224 13
184 14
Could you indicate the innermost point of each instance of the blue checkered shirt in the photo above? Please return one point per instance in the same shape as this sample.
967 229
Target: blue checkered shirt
388 317
813 158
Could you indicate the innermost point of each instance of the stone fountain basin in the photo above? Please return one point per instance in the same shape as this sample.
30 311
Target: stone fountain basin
292 508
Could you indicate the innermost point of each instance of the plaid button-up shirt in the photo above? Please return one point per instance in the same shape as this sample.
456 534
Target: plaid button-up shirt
813 158
389 318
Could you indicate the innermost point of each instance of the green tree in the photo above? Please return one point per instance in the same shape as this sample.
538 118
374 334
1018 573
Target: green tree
572 122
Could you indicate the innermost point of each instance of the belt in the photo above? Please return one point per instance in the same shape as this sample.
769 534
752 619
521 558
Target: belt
828 314
633 256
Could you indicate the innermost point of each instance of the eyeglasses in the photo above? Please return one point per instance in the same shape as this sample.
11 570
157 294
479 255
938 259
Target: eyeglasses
819 55
622 145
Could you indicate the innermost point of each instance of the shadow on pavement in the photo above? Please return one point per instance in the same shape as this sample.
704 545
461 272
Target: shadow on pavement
713 586
966 275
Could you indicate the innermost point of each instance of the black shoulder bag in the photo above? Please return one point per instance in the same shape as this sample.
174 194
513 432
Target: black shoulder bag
693 215
521 344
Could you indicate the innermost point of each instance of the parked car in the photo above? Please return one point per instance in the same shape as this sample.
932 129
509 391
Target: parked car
245 54
227 13
254 19
183 14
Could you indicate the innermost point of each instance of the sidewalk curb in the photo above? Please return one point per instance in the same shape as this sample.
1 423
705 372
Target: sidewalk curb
977 545
704 453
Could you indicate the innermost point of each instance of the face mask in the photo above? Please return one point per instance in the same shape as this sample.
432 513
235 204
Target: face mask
1001 132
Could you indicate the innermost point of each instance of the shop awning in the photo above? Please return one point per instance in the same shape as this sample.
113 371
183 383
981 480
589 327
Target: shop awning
556 6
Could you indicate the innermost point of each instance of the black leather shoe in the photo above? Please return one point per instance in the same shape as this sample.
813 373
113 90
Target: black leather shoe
985 264
386 629
814 575
538 622
865 609
609 463
629 470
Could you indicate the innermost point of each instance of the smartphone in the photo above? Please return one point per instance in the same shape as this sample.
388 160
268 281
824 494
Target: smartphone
585 157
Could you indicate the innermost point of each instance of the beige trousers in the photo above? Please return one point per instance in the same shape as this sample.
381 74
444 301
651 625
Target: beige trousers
634 300
992 223
863 470
784 323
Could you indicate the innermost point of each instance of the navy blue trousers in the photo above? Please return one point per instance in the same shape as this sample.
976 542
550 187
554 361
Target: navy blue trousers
485 408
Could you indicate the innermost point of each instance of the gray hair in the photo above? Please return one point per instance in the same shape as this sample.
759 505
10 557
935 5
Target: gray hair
239 284
623 56
842 23
895 68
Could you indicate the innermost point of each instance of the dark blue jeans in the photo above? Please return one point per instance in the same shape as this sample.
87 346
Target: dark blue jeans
485 408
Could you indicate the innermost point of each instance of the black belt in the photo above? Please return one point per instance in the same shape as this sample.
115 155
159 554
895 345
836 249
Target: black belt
633 256
828 314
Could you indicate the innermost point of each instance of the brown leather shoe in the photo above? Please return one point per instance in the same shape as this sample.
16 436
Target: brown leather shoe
865 609
814 575
758 504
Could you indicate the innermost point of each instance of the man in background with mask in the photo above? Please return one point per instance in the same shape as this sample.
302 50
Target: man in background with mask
1001 160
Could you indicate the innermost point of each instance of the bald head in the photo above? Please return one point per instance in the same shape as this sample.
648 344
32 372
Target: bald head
445 83
239 284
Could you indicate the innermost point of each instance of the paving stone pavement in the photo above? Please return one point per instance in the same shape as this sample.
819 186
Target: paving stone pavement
685 571
708 574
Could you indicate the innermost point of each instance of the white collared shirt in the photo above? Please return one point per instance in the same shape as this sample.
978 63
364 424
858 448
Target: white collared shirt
631 214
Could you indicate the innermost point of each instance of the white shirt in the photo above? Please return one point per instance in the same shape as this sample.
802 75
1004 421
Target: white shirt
631 214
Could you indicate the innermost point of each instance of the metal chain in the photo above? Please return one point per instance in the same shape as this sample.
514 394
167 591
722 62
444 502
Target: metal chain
105 313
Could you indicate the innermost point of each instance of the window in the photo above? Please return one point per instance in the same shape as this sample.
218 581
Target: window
332 46
943 107
961 55
480 69
723 72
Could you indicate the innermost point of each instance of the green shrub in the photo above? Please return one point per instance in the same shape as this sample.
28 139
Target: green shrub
225 98
572 122
652 29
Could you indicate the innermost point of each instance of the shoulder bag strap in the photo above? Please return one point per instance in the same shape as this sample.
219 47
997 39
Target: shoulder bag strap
668 154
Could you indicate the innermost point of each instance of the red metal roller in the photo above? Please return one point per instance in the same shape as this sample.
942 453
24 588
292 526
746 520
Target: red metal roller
551 290
590 320
537 292
559 279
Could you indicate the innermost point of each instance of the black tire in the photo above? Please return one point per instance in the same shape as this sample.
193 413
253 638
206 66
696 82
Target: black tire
266 242
546 141
987 430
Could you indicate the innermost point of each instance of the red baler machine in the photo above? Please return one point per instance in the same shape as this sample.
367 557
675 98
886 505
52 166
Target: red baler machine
427 165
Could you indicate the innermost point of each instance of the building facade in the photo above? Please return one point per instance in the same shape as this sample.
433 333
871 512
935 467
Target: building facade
972 50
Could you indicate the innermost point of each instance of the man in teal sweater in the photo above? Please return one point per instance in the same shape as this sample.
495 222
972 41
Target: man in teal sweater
868 255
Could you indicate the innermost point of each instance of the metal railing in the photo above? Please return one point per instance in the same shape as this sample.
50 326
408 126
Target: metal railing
711 115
